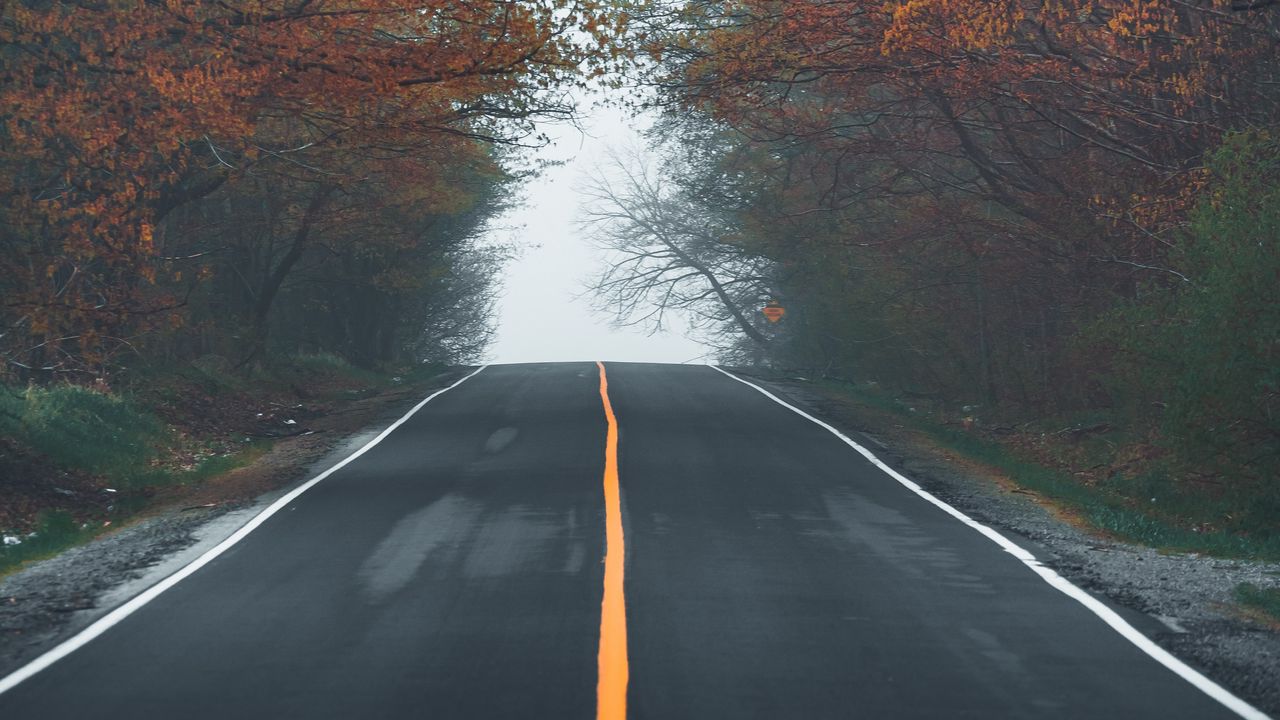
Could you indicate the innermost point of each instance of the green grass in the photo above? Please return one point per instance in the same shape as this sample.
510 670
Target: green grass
110 436
83 429
117 438
1264 600
55 531
329 364
300 371
210 375
216 465
419 372
329 376
1176 520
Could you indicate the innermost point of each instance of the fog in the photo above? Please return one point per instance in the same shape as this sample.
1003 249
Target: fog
544 312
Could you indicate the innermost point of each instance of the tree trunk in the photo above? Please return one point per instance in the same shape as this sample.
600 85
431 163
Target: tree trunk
260 317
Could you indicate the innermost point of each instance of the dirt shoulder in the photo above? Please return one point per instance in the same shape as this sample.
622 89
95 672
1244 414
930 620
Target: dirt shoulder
1189 596
47 601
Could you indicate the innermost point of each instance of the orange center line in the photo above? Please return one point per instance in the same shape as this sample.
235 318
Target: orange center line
611 688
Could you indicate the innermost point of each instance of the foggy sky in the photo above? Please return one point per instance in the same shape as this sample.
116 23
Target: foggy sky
539 318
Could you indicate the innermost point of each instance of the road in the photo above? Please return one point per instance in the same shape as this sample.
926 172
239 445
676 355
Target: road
457 568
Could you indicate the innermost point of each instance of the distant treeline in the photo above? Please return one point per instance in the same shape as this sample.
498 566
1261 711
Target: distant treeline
1038 209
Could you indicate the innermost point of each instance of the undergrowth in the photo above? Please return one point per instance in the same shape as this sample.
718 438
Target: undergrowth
84 429
300 366
119 444
55 531
1147 508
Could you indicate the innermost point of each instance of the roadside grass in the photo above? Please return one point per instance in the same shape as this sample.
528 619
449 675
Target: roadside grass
1148 508
114 439
84 429
331 377
303 366
1265 601
316 375
107 435
319 375
215 465
55 531
165 426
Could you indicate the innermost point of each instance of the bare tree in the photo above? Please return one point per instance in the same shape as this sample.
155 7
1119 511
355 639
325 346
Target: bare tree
455 315
667 250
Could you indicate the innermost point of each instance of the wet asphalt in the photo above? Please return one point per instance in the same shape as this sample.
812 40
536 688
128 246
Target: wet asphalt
454 571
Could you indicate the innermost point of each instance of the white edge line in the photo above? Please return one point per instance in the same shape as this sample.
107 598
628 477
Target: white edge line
106 622
1106 614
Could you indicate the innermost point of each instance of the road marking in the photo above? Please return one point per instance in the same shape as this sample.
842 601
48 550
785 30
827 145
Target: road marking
1106 614
106 622
611 687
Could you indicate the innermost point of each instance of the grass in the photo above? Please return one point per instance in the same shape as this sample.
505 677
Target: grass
216 465
214 376
112 437
337 378
209 379
1148 508
118 440
1261 600
302 371
84 429
331 365
55 531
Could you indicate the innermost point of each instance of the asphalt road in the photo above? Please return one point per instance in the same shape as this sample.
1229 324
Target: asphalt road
455 570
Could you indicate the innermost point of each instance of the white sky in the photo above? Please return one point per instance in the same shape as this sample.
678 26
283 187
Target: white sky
544 313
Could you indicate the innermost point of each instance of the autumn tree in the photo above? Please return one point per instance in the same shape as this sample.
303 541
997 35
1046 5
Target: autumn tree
1207 351
1014 168
116 114
294 263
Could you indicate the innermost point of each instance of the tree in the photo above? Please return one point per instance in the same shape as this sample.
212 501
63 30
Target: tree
996 173
1207 350
115 114
666 251
349 266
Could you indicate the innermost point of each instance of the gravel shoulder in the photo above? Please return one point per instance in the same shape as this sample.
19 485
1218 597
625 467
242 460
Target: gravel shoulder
1189 597
48 601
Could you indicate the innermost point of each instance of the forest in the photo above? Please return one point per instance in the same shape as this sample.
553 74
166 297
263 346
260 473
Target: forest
1039 220
220 219
1000 210
232 179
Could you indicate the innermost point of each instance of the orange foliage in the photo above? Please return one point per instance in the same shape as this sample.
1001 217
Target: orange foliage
1008 170
113 113
1105 105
